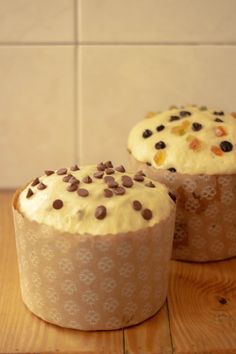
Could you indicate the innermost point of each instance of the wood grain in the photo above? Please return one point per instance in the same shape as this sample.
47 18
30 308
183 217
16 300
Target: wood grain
20 330
202 307
151 336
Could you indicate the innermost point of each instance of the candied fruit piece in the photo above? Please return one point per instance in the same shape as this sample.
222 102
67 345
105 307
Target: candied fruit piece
159 157
217 151
195 144
178 130
220 131
181 129
190 138
233 114
150 114
185 124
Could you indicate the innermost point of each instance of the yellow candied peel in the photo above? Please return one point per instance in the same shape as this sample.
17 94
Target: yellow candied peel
160 157
190 138
150 114
181 129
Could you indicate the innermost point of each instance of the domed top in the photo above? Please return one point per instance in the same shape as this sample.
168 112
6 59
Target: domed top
190 140
95 200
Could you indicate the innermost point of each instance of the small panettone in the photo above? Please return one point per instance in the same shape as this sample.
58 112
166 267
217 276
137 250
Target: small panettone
94 245
192 150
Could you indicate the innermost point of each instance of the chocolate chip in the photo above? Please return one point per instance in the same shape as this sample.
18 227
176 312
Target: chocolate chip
172 169
226 146
173 197
57 204
120 169
108 193
112 183
220 113
100 212
119 191
160 145
147 133
219 120
101 166
74 168
67 178
127 181
108 178
160 128
150 184
41 186
35 182
98 174
148 164
196 126
29 193
72 187
138 178
87 179
137 205
108 164
74 180
147 214
184 114
109 171
141 173
222 300
48 172
82 192
173 118
62 171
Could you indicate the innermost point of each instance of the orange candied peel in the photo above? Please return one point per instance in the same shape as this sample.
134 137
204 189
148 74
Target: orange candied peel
181 129
150 114
220 131
160 157
217 151
195 144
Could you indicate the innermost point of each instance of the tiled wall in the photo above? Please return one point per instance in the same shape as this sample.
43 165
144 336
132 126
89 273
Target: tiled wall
75 75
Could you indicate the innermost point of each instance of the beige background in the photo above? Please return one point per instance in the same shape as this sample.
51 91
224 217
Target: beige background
76 75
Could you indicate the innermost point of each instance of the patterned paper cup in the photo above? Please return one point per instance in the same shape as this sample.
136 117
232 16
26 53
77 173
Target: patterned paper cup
205 228
92 282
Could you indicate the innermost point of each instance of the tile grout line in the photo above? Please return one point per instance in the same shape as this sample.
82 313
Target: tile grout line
34 44
76 116
78 85
94 43
118 44
158 43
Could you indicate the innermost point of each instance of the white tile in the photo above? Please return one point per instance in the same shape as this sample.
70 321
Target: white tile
119 84
37 20
157 20
37 116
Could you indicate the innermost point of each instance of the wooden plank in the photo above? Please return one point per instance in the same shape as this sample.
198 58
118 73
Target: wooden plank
202 307
20 330
151 336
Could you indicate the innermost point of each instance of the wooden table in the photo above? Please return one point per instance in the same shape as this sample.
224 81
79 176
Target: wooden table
199 315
